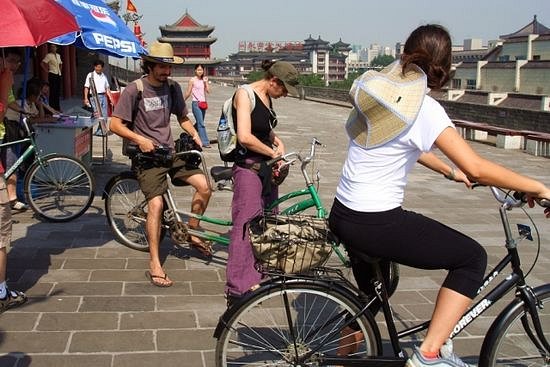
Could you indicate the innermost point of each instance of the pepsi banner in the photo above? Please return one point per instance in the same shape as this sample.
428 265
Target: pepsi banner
100 29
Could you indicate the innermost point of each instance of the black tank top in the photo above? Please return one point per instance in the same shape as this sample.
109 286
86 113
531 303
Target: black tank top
262 121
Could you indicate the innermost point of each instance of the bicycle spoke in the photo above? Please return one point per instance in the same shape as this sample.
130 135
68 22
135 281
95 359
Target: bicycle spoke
60 188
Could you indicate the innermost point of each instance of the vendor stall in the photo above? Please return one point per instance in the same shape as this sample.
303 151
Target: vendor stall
71 135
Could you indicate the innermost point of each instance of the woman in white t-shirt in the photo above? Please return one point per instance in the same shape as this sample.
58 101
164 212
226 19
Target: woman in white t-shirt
367 214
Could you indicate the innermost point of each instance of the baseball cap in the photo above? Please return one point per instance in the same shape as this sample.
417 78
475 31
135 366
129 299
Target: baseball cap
286 73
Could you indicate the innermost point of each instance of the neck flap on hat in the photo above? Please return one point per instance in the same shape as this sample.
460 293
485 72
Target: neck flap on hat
385 104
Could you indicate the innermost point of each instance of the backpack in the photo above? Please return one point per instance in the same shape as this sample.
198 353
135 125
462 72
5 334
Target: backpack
139 96
227 136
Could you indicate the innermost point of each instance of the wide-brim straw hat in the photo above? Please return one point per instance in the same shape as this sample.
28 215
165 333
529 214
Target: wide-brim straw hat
385 104
163 53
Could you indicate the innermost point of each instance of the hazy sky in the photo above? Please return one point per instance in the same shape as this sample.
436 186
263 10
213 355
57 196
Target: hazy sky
354 21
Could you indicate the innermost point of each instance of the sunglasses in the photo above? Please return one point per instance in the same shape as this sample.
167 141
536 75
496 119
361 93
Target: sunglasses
272 119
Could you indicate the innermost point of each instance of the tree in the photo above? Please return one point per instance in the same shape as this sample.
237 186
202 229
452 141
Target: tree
382 60
311 80
345 84
255 75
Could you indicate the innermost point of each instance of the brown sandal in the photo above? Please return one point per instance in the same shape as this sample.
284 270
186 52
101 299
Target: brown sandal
155 280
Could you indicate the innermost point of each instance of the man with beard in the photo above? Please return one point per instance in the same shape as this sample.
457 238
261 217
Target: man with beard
146 105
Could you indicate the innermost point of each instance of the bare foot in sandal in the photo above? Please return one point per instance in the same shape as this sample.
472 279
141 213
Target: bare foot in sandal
203 247
159 280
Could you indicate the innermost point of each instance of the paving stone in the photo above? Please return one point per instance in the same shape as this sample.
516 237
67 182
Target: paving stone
121 304
158 320
34 342
53 303
196 339
114 341
87 288
94 264
66 360
166 359
18 321
207 288
145 288
212 303
60 321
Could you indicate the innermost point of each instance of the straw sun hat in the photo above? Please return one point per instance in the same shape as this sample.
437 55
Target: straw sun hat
385 104
162 53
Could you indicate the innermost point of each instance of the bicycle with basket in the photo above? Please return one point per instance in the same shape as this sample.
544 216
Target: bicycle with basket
126 207
314 316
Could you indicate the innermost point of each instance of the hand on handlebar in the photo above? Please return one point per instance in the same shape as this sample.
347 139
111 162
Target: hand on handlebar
459 176
146 145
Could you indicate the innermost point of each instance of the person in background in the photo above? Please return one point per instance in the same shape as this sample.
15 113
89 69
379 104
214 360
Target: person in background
101 82
44 99
367 215
151 128
197 88
34 111
257 142
51 63
8 298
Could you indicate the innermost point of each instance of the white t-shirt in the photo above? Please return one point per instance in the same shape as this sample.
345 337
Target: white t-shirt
100 81
374 180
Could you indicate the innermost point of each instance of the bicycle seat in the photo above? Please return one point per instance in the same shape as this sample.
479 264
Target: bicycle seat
362 256
219 173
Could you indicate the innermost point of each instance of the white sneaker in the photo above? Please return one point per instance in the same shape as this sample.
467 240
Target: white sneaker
446 358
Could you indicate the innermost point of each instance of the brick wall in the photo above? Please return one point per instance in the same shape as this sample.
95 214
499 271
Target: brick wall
511 118
499 116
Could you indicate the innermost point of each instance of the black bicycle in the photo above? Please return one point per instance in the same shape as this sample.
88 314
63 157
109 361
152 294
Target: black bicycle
320 318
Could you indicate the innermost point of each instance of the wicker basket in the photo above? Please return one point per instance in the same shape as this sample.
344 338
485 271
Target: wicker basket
290 244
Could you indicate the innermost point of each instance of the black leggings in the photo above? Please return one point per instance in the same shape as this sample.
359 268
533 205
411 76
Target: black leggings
411 239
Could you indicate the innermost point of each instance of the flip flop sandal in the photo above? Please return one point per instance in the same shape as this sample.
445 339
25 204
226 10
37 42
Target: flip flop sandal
154 280
203 247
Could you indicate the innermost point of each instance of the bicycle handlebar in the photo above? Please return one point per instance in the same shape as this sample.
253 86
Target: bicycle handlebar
292 156
515 200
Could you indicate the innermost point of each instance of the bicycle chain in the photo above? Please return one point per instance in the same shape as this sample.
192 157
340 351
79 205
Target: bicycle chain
178 232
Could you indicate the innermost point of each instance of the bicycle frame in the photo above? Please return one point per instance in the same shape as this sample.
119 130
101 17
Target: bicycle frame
27 153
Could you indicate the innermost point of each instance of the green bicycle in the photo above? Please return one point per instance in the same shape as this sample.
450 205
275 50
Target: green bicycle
126 207
57 187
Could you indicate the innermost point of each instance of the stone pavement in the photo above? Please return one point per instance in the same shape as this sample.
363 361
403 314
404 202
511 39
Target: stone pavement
91 305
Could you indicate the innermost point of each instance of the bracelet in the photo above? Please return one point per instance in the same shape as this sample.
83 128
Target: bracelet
451 175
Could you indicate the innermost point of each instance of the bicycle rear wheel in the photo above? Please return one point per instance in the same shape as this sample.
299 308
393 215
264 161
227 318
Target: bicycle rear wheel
126 210
510 345
295 324
59 188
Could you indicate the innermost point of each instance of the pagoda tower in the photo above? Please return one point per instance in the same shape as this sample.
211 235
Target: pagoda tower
190 40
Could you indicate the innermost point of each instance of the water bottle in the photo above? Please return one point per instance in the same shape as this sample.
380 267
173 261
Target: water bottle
223 129
222 125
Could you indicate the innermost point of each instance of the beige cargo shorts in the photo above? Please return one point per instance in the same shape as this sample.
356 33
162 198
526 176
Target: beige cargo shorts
5 215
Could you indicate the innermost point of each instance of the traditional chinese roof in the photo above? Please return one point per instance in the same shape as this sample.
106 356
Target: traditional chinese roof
186 23
341 46
316 44
532 28
176 40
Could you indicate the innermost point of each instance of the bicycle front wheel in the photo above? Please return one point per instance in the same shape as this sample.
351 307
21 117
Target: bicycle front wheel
59 188
296 324
511 345
126 210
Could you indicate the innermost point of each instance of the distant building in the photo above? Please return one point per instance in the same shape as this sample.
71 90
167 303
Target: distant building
190 40
312 56
517 64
